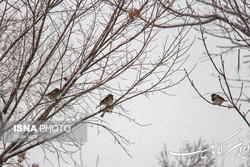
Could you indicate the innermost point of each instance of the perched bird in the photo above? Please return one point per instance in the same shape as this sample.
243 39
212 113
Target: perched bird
53 94
107 100
133 13
109 109
217 99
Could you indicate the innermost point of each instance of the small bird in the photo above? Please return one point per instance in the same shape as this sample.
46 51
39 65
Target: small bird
107 100
109 109
133 13
217 99
53 94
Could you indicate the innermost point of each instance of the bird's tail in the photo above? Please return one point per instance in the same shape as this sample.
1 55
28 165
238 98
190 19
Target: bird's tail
102 114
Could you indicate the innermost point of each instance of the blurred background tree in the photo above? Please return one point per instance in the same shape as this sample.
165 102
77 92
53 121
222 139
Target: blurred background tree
203 159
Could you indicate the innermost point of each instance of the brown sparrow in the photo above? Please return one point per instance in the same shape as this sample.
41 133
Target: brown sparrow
107 100
217 99
54 93
133 13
